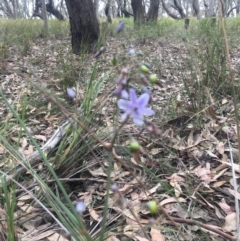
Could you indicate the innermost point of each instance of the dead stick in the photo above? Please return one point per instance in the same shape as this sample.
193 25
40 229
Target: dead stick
208 227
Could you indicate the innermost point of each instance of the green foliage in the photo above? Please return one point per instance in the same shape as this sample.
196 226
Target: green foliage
9 200
21 32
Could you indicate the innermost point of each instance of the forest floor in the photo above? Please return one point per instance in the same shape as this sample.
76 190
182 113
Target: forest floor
187 169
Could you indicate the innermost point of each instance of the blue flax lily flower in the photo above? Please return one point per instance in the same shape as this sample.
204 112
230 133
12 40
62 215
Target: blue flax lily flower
135 107
120 27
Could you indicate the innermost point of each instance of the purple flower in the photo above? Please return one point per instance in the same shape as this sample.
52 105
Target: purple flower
80 207
120 27
114 187
131 52
70 93
135 107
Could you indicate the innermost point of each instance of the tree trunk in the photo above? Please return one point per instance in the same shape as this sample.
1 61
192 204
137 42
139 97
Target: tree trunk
153 10
96 6
210 12
164 5
119 8
238 7
179 8
84 25
107 11
138 12
44 14
196 8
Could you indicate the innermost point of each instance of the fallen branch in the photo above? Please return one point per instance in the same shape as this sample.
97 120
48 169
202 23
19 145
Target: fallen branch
206 226
33 158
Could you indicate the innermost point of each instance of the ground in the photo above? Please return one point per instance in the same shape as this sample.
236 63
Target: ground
186 169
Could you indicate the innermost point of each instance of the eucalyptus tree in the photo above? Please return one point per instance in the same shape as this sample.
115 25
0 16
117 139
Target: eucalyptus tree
84 25
138 11
153 10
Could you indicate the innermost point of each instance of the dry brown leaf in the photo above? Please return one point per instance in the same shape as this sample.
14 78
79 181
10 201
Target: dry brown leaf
212 155
230 223
28 151
88 198
171 200
219 174
141 238
1 150
145 195
211 112
24 197
220 148
40 137
203 173
43 235
190 140
112 238
232 192
94 215
218 184
57 236
225 207
156 235
218 213
24 142
174 182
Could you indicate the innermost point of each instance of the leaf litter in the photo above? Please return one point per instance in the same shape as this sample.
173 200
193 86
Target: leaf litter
191 162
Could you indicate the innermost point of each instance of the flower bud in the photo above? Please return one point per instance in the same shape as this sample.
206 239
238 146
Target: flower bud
124 71
144 69
152 206
114 61
68 129
134 146
153 78
102 49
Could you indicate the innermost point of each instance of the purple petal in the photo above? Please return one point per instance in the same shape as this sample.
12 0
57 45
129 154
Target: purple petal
147 111
131 51
117 92
137 119
80 207
70 93
124 94
120 27
114 187
133 96
123 104
124 116
143 100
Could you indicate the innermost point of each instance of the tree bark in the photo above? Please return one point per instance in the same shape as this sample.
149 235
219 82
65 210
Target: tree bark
230 11
210 12
138 12
44 14
168 11
153 10
107 10
196 8
84 25
96 6
238 7
179 8
49 7
119 7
